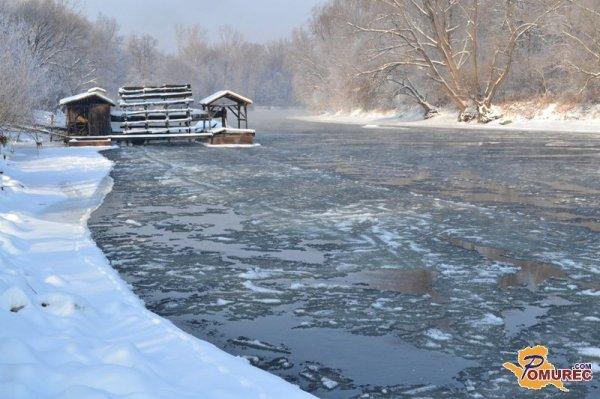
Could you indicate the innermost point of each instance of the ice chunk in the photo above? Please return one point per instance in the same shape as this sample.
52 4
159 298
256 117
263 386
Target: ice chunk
255 274
438 335
256 344
262 290
223 302
133 223
329 383
590 351
492 319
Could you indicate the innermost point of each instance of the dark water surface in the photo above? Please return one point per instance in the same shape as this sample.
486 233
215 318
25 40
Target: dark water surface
375 263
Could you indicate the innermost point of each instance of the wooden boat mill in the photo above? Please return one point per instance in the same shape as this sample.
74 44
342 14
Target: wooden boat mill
156 113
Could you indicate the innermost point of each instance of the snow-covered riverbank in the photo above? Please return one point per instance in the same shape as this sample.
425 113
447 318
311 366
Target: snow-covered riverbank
578 121
70 327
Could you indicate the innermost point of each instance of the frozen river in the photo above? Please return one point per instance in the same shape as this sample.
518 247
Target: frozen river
351 261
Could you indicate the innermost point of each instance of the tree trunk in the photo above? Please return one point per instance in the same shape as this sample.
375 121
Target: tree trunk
409 89
480 111
429 111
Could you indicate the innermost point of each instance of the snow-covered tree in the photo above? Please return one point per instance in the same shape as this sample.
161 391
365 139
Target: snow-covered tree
19 75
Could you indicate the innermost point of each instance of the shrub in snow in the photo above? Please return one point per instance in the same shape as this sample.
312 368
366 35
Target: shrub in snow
13 299
62 304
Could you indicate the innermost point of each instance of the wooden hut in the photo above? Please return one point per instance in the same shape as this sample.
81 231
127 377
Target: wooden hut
218 104
88 113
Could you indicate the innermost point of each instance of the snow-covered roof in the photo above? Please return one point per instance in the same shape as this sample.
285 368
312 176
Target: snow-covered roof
225 94
98 89
94 92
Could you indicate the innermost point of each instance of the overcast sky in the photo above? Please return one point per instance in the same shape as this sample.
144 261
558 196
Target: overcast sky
258 20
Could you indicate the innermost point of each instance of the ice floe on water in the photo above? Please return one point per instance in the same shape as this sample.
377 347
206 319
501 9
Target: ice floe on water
261 290
438 335
133 223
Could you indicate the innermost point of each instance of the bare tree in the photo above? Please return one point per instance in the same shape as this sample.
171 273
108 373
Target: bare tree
107 55
144 59
408 88
328 56
445 39
582 29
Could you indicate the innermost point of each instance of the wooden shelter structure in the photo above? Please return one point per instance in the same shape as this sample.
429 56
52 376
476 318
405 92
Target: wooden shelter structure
88 113
218 104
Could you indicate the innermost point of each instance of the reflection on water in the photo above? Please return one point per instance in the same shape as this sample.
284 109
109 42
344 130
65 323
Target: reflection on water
532 273
589 223
330 255
404 281
471 187
488 252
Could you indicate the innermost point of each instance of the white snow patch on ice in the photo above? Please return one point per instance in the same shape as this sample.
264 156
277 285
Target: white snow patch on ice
590 292
262 290
438 335
329 383
492 319
269 301
133 223
255 274
590 352
591 318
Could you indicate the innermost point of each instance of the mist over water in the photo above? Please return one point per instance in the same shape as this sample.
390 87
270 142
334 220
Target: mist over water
350 261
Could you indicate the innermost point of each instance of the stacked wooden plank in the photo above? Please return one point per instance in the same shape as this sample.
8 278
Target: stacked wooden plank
156 109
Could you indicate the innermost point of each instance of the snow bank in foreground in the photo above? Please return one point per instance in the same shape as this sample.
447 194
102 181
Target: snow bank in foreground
69 326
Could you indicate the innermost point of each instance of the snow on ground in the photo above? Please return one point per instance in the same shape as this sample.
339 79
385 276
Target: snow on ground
70 327
364 117
550 117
